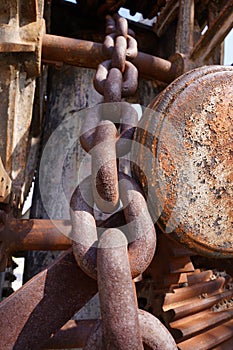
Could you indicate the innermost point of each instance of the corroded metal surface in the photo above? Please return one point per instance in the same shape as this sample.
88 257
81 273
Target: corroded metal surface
21 31
77 52
219 338
33 234
41 307
88 334
192 192
194 305
114 256
117 295
104 167
139 227
154 334
41 234
189 168
84 232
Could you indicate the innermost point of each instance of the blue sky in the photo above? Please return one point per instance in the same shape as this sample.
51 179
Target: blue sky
228 54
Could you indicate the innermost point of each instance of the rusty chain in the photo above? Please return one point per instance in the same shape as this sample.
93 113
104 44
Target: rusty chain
115 256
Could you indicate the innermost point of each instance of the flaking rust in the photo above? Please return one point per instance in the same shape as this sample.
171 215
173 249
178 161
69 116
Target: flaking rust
191 170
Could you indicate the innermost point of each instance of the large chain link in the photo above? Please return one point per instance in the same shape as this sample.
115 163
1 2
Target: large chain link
115 256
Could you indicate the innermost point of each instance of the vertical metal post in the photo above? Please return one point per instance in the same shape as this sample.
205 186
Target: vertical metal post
117 295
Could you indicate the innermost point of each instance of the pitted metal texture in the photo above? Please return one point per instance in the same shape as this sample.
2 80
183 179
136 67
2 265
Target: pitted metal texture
189 134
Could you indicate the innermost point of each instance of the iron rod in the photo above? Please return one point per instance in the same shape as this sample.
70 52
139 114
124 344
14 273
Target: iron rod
83 53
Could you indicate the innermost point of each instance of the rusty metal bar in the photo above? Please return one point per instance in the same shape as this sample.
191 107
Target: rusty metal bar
141 232
44 304
117 294
154 334
193 324
209 287
42 234
215 34
104 167
89 54
185 26
35 234
198 276
210 339
194 305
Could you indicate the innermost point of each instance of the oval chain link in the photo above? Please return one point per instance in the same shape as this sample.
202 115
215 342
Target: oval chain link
139 227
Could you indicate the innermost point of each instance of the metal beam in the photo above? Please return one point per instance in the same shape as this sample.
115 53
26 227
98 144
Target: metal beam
44 304
89 54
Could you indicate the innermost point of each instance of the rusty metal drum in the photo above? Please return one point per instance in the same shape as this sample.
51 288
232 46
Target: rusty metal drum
183 157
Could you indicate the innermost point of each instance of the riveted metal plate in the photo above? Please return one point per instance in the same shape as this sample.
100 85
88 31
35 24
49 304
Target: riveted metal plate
184 149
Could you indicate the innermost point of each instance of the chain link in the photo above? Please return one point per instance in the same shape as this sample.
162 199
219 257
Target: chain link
139 227
114 256
124 114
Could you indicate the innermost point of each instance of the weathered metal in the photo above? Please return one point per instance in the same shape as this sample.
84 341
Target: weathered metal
6 183
185 27
78 52
95 340
191 303
195 305
115 264
121 113
117 295
129 81
21 30
188 167
197 48
57 292
130 50
167 15
185 19
219 338
140 229
154 335
34 234
110 25
114 79
88 334
190 325
119 53
84 232
104 167
188 321
41 234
